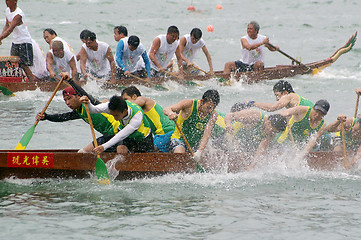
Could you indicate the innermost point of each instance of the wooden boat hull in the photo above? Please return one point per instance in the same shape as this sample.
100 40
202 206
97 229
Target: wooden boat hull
69 163
269 73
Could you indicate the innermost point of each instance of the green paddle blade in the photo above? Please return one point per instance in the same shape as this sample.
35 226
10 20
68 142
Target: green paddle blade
160 88
6 91
200 169
26 138
191 83
101 171
221 79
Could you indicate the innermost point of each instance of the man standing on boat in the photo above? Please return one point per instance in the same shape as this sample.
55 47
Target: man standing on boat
103 123
129 51
59 60
134 133
163 48
252 51
189 45
97 58
21 44
196 119
160 124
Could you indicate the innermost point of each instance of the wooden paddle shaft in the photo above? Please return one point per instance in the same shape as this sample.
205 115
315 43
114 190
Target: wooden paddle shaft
285 54
343 144
50 99
91 126
357 101
200 69
184 137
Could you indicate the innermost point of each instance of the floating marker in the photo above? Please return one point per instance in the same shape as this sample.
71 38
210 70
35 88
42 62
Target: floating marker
210 28
191 8
219 6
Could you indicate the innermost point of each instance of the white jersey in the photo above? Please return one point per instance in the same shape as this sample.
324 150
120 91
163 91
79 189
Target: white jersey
39 62
62 64
65 44
21 33
251 57
165 52
190 49
97 62
131 58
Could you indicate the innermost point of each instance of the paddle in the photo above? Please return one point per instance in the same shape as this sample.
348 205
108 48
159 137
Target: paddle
199 167
200 69
306 68
29 134
6 91
188 82
343 144
100 168
155 86
356 108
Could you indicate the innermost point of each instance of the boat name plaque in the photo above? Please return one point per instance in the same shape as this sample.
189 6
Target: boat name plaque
30 160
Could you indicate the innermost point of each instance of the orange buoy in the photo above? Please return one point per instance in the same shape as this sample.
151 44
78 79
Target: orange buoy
219 6
210 28
191 8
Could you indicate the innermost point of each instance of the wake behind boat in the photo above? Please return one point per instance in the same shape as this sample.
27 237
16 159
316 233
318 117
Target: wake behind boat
12 78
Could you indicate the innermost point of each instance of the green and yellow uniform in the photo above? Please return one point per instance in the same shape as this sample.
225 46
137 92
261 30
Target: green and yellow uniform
103 122
159 123
193 127
351 143
301 130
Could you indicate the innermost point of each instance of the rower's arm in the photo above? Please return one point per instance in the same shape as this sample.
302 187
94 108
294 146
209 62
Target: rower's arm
179 60
83 58
208 131
271 107
61 117
173 110
182 43
9 27
119 54
49 64
209 58
74 71
110 57
81 92
153 50
146 63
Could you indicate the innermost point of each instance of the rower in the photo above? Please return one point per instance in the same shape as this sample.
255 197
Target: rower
255 132
129 51
60 59
134 133
16 23
103 123
196 119
96 59
50 36
285 98
120 32
162 127
252 51
163 48
189 45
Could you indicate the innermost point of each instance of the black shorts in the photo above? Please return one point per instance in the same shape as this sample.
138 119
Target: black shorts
146 145
24 51
243 67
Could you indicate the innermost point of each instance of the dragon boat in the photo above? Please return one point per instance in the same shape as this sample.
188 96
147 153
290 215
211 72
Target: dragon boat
70 164
13 78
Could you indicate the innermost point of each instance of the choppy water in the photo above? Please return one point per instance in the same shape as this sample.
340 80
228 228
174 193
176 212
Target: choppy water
274 201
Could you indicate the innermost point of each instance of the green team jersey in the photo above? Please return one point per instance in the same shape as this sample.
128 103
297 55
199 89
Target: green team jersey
144 128
219 126
159 123
302 129
351 143
102 122
193 127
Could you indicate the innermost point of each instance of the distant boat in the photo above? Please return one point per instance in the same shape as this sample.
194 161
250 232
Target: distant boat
17 83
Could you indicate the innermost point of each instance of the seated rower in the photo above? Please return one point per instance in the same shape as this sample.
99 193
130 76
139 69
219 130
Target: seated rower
162 127
129 51
196 119
252 51
255 130
306 121
134 133
59 60
163 48
189 45
103 123
96 59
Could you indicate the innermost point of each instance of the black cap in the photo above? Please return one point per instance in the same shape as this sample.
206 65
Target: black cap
322 105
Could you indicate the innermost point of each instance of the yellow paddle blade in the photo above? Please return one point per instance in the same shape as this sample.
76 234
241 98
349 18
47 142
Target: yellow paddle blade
24 141
104 181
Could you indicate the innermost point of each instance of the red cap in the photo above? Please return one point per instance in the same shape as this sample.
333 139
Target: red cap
69 91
